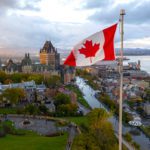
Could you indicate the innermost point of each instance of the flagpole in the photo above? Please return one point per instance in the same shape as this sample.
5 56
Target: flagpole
122 13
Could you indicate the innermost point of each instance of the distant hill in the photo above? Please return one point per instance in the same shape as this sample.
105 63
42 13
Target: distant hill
34 53
126 52
134 51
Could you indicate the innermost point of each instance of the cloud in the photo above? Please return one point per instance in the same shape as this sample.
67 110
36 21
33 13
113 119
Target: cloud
137 12
25 31
88 4
6 5
24 26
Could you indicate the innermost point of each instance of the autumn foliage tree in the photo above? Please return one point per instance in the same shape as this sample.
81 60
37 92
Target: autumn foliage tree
64 106
14 95
53 81
100 134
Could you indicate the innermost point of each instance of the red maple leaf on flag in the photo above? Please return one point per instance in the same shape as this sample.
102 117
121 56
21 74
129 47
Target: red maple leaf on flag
89 50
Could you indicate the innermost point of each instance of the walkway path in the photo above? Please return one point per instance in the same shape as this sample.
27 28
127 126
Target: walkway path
73 131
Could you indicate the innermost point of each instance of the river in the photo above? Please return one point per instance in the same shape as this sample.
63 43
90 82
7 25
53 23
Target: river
94 103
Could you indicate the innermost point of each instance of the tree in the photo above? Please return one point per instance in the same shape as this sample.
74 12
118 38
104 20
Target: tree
16 77
43 109
37 78
128 137
3 76
127 117
64 106
8 81
14 94
97 117
31 109
147 95
53 81
100 135
60 99
101 127
67 109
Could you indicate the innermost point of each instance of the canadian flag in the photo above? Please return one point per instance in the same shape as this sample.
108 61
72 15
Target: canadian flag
99 46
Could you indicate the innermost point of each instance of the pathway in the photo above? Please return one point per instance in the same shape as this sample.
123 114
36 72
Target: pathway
73 131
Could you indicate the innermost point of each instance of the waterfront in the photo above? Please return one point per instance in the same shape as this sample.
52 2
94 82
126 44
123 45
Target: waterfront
145 61
94 103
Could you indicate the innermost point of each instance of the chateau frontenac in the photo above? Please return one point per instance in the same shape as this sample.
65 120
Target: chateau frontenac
49 55
49 61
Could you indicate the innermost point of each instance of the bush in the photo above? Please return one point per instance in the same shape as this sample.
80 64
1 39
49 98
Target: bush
61 98
61 123
43 109
18 132
2 132
55 134
84 127
128 137
137 146
127 117
8 127
20 111
31 109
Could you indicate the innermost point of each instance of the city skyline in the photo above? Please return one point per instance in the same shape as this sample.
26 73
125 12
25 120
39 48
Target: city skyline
25 25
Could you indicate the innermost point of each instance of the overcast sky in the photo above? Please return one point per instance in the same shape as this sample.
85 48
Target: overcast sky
26 24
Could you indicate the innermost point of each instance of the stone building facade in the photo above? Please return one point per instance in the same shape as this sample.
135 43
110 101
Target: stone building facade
26 64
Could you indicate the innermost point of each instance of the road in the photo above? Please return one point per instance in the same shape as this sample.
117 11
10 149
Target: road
83 109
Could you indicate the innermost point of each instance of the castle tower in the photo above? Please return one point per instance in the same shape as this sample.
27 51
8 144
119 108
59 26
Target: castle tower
26 64
49 55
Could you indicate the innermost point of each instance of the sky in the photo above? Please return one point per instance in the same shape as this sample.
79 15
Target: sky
26 24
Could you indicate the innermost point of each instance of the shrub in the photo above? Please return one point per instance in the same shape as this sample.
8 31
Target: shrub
20 111
8 127
2 132
31 109
128 137
61 123
137 146
18 132
55 134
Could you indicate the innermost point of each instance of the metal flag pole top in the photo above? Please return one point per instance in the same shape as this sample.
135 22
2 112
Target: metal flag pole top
122 13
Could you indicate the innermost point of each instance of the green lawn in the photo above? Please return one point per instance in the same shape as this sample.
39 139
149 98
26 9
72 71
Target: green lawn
32 141
77 120
79 95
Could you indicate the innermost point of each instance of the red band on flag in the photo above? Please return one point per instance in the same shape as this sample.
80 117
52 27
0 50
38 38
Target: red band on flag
109 42
70 61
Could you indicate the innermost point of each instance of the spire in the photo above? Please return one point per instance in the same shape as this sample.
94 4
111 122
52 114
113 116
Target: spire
48 47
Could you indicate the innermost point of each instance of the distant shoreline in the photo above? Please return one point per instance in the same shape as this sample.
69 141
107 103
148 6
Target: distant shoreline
134 55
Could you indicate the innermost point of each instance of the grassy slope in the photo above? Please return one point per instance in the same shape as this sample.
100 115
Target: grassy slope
78 120
32 141
79 95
